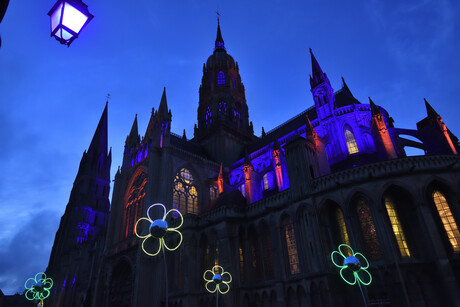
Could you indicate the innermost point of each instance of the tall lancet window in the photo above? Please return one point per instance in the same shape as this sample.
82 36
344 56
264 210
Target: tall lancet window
447 219
351 141
397 228
220 78
368 231
208 116
185 195
134 203
289 233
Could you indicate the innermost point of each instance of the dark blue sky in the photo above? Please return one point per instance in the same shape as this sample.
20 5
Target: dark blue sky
397 52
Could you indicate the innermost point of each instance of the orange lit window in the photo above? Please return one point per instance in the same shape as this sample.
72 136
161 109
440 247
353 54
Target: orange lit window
351 142
291 247
448 221
397 228
134 204
369 233
185 195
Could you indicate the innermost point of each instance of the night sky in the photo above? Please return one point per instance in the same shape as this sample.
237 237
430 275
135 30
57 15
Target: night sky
397 52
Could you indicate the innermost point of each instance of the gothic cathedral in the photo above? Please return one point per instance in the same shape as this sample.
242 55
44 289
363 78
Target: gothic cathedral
270 209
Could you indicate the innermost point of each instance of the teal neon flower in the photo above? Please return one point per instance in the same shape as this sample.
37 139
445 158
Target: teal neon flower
351 264
38 288
216 281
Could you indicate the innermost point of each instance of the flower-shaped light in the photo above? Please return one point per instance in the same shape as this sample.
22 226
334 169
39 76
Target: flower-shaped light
38 287
217 281
352 264
158 229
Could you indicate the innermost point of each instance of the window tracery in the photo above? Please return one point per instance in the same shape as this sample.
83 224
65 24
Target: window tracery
447 219
185 195
371 242
291 246
397 228
135 203
351 141
220 78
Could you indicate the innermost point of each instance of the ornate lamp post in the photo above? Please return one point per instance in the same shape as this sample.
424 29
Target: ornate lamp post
68 18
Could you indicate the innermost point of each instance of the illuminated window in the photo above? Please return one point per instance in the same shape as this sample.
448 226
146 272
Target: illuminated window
220 78
213 192
208 116
233 79
343 234
241 263
135 202
397 228
291 247
267 181
369 233
185 195
242 189
216 256
222 107
448 221
351 142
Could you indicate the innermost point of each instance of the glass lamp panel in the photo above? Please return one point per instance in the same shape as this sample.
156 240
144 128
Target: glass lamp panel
56 17
73 18
63 34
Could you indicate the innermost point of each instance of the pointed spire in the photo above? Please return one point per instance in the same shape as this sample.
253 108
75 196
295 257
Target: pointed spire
219 44
263 132
133 137
308 126
163 108
247 161
99 142
317 75
345 88
184 136
429 110
374 109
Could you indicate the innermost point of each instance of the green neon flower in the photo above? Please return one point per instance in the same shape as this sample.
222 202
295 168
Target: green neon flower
158 229
217 281
38 288
351 264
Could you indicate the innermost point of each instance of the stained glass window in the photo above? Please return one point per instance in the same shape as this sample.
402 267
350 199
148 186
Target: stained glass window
448 220
134 205
351 142
220 78
185 195
397 228
291 247
222 107
369 232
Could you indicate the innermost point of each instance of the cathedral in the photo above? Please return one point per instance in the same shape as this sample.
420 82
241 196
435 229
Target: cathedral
269 209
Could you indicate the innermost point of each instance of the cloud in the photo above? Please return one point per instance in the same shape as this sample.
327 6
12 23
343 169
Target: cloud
28 250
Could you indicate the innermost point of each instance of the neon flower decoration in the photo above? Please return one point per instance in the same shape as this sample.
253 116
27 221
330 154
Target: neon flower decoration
217 282
352 263
158 229
38 288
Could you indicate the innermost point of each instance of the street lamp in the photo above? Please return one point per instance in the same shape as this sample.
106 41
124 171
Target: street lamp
68 18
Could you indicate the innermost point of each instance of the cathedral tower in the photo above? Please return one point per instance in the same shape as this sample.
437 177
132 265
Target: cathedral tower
223 118
321 89
79 241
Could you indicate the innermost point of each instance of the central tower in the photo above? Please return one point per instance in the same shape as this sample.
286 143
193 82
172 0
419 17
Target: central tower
223 119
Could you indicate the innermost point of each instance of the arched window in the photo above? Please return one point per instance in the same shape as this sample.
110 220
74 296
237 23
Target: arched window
233 79
185 195
289 234
213 192
371 242
208 116
447 219
220 78
267 253
397 228
242 189
343 234
351 142
135 202
267 181
222 108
